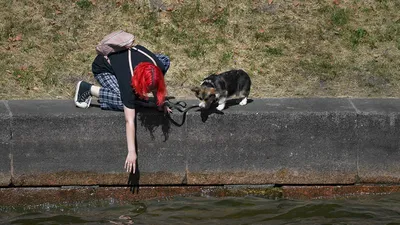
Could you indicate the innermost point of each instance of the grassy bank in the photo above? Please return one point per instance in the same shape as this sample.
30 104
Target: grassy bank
290 48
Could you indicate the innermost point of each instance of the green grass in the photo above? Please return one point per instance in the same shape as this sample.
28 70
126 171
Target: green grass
339 16
84 4
357 36
313 48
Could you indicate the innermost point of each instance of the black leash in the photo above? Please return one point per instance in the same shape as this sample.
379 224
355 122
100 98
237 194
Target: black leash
181 106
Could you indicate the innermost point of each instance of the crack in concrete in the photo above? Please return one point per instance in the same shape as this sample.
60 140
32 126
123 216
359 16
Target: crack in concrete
354 106
11 169
11 141
185 178
8 108
357 178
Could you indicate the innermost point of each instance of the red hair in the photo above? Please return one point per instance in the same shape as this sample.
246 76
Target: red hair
147 76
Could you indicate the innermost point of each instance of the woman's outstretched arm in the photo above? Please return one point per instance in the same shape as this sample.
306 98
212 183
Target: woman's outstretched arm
130 162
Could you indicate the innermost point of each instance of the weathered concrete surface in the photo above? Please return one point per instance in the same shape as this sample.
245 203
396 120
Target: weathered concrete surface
5 144
378 128
58 144
162 156
269 141
281 141
54 143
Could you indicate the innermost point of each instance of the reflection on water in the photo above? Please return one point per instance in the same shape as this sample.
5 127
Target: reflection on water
209 210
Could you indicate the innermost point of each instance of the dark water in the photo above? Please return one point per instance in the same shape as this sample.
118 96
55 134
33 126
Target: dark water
210 210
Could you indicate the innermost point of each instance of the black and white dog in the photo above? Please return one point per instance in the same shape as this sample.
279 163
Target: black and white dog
219 87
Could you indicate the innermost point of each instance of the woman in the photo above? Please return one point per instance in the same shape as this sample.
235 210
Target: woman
124 77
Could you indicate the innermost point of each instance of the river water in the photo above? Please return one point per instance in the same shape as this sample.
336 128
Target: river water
383 209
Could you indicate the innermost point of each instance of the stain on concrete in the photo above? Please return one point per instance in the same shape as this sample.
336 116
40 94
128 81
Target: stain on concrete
91 178
13 197
282 176
35 196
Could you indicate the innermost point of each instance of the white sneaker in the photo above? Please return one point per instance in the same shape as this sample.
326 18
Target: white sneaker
82 95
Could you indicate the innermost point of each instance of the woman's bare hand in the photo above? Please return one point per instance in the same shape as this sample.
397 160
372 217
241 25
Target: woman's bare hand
167 109
164 108
130 162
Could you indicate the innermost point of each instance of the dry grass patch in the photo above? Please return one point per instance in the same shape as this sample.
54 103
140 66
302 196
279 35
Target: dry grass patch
289 48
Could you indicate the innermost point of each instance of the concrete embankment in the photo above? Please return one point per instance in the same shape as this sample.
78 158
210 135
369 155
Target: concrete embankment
321 141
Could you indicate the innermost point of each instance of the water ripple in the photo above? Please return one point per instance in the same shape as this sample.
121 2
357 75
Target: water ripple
383 210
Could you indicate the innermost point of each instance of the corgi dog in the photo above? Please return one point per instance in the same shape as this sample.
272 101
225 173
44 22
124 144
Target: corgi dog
220 87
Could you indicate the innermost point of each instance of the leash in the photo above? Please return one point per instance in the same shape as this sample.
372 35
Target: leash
181 106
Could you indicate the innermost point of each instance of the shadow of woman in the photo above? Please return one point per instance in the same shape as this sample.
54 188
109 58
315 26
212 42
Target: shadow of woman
150 119
134 178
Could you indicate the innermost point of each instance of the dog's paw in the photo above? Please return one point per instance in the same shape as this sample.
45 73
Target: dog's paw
221 107
202 104
243 102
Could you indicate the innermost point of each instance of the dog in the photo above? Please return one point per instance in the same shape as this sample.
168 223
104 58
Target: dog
219 87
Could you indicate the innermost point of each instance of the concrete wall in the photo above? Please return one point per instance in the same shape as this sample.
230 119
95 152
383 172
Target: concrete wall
5 144
269 141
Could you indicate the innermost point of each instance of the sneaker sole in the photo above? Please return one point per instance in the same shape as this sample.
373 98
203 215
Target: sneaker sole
82 105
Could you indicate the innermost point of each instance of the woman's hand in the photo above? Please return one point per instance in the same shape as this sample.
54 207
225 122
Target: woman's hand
130 162
167 109
164 108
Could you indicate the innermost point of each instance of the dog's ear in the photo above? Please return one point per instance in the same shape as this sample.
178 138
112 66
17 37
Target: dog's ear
195 90
212 91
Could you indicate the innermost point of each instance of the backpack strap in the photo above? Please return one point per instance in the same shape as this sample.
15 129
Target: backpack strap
144 53
130 61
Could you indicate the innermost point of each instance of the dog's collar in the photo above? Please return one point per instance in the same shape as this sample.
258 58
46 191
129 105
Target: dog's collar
207 82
